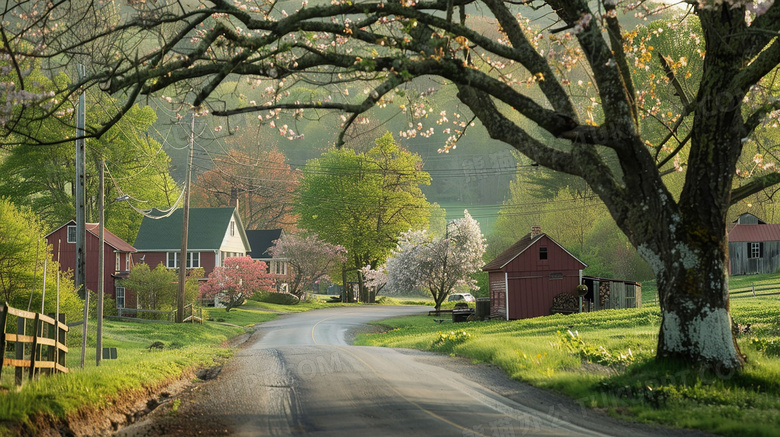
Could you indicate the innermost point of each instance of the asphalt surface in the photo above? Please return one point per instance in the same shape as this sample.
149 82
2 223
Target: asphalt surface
300 376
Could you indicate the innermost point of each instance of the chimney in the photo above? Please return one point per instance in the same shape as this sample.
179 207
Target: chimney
234 197
535 231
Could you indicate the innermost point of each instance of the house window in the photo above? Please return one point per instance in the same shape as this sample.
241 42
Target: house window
120 297
127 262
71 234
118 263
172 260
280 267
755 250
232 228
193 260
542 253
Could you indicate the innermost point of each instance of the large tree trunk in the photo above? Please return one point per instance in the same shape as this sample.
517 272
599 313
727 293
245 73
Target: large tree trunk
693 292
694 297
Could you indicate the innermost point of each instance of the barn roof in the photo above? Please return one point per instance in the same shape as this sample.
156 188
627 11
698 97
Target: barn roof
754 233
110 239
517 249
261 240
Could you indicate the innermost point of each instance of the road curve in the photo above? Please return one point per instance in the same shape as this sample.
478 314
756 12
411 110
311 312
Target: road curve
303 378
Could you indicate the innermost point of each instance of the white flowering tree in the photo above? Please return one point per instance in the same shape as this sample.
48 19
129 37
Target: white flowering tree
437 264
573 94
309 258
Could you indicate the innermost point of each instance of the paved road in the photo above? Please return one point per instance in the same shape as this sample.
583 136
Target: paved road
303 378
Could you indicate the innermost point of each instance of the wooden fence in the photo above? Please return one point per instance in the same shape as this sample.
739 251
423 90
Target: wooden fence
761 289
191 315
47 348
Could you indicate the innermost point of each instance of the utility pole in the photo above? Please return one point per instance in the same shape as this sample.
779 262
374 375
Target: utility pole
101 261
81 227
81 224
185 226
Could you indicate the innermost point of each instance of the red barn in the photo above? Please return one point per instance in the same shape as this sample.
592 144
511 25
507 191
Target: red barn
525 278
117 257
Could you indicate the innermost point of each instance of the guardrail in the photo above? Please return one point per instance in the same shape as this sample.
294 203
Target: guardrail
47 350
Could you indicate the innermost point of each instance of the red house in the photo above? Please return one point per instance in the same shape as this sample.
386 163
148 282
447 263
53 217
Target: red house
117 258
525 278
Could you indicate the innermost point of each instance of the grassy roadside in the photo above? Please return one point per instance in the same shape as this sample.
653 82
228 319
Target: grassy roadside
607 362
137 369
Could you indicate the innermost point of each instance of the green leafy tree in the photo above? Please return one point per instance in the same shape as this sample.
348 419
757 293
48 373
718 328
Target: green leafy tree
23 257
363 201
42 177
21 252
155 289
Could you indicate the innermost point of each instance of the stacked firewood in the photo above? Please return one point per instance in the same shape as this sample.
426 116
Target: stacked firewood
603 294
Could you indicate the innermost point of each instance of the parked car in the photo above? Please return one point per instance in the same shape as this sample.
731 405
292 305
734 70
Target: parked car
461 297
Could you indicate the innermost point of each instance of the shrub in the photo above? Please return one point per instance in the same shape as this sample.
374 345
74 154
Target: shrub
277 298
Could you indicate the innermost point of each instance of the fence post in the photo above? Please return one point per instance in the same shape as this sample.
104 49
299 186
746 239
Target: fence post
60 357
34 353
51 352
21 328
3 318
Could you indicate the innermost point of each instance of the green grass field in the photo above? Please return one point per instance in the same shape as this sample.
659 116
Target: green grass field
606 360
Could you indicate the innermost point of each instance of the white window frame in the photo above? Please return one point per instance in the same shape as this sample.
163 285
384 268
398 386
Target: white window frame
232 228
755 250
127 262
172 256
193 258
121 290
118 262
71 229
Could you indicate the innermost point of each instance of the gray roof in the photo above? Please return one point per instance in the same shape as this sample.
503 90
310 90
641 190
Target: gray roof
207 228
261 240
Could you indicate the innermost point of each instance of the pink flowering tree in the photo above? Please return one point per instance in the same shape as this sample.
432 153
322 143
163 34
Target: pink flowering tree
235 281
376 278
309 258
437 264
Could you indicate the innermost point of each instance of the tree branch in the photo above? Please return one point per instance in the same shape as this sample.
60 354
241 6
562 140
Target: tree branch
754 187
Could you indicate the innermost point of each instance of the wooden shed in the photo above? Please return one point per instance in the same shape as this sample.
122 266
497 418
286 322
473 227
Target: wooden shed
605 294
525 278
754 246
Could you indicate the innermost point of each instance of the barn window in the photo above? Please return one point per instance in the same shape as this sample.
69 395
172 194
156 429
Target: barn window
71 237
755 250
542 253
555 276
